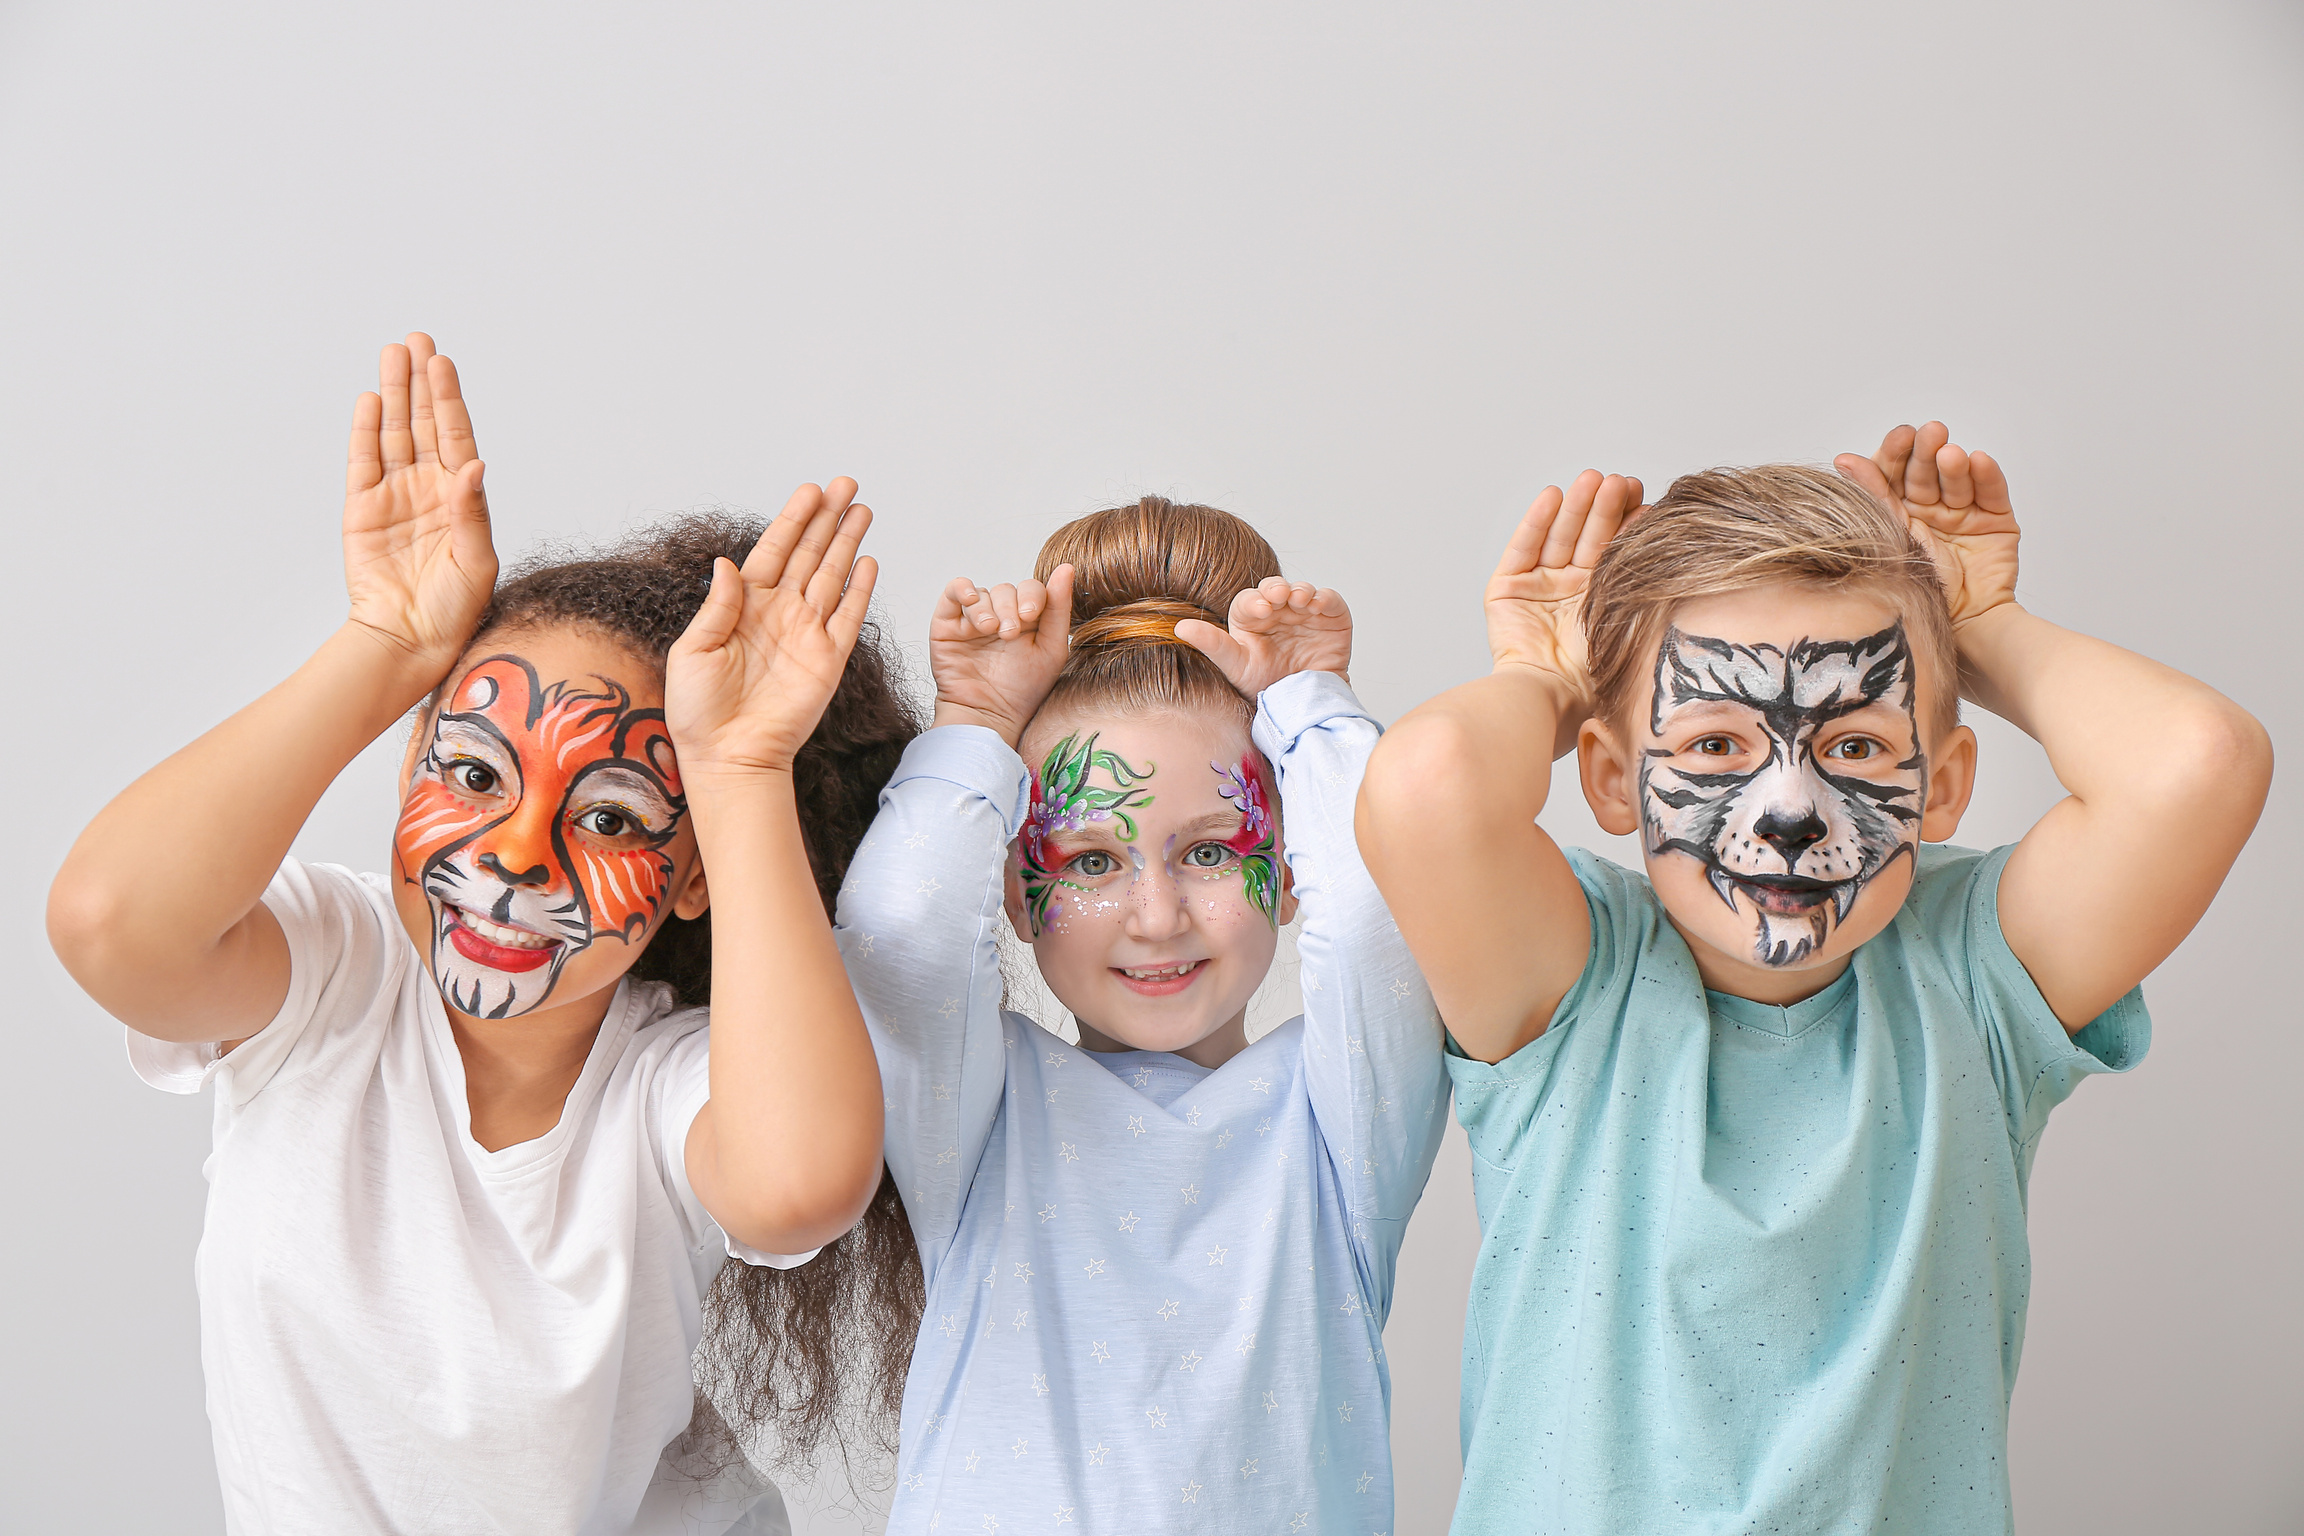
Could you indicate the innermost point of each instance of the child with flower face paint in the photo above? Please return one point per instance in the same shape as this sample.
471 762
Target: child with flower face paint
1752 1127
474 1175
1158 1260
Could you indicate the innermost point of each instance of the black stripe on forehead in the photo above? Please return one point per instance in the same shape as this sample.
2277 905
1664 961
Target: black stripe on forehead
1815 681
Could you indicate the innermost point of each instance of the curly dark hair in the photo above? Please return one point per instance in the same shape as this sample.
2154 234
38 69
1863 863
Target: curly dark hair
820 1350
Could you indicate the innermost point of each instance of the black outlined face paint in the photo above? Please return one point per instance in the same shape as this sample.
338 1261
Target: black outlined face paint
1809 805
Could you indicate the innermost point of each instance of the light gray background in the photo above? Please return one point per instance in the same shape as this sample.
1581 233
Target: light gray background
1368 275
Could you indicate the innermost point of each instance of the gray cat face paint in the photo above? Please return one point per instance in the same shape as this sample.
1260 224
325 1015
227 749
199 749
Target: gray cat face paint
1803 814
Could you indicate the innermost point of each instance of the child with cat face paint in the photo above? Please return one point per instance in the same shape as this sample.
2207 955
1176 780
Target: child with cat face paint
1158 1261
480 1166
1752 1131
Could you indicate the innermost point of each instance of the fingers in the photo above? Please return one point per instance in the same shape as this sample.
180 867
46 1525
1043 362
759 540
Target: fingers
475 547
948 620
1991 483
1920 482
1056 619
1869 474
392 384
1002 604
765 565
804 553
1894 452
420 426
716 620
1560 543
363 465
1618 498
846 622
832 575
451 422
1954 486
1526 547
1230 656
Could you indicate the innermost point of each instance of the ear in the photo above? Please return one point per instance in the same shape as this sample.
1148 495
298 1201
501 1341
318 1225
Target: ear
419 736
1610 787
1287 912
1012 899
694 896
1951 780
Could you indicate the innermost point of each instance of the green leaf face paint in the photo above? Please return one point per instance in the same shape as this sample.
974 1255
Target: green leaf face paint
1064 801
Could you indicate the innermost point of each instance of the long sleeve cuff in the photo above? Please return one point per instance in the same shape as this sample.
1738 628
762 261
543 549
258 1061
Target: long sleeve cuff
1300 702
972 758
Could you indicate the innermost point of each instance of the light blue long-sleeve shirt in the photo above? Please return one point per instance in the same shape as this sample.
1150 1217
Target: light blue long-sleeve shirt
1156 1293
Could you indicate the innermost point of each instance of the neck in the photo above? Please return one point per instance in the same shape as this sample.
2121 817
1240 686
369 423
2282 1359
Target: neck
1211 1050
518 1072
1757 983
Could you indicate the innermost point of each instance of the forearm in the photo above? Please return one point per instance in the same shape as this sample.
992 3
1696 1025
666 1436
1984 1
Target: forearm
151 901
2117 727
790 1144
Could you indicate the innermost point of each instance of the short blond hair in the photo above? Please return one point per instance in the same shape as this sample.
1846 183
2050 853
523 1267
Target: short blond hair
1729 530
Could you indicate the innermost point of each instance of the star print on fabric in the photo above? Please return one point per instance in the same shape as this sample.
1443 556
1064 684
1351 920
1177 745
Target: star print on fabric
1136 1125
1216 1255
1067 1151
1191 1194
1400 988
1158 1416
1024 1272
1097 1453
1189 1360
1039 1384
1192 1492
1023 1316
1283 1157
928 887
913 1482
1094 1267
1297 1524
1223 1138
973 1458
1246 1302
1264 1126
1344 1412
1351 1306
1010 1211
1057 1058
1248 1467
950 1327
937 1421
1358 1048
864 945
1192 1116
992 1276
1142 1077
951 1007
1064 1514
1383 1105
1047 1213
917 840
1261 1085
1247 1344
1051 1095
1019 1447
1100 1353
1271 1401
1365 1479
1128 1222
1167 1310
991 1524
946 1156
1270 1216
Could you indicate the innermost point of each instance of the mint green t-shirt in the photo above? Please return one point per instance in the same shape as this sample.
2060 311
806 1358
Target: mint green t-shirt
1757 1269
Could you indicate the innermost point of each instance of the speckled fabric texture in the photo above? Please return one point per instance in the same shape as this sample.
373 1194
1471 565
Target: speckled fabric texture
1758 1269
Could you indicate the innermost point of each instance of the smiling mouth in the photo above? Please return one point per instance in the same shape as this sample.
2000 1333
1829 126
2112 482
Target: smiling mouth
1792 895
1159 980
496 945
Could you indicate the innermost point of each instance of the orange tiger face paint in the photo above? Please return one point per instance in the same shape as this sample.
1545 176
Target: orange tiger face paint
536 824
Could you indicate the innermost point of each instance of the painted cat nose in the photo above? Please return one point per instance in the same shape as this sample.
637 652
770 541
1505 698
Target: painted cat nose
534 875
1790 836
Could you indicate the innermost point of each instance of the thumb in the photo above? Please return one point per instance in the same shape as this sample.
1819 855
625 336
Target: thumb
716 620
468 514
1055 626
1867 474
1230 656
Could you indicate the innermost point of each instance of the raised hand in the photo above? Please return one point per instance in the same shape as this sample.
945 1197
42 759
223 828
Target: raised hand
1535 599
746 684
1956 503
1277 628
418 561
995 651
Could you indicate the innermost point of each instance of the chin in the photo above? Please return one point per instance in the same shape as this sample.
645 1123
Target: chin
1781 936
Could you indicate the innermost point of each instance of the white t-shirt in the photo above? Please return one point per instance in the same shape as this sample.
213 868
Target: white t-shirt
403 1331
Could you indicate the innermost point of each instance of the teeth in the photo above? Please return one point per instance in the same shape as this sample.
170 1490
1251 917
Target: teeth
1162 973
497 933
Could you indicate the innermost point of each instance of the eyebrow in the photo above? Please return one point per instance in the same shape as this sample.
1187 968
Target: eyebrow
1103 831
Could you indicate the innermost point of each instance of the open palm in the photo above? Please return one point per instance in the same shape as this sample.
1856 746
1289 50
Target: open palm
746 684
1535 599
418 561
1956 503
995 651
1275 630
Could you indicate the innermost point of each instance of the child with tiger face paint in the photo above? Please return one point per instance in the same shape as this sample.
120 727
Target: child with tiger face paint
479 1159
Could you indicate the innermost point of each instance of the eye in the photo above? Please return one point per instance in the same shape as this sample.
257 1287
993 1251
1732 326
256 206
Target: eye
1207 856
1853 749
471 777
1093 864
1713 746
603 822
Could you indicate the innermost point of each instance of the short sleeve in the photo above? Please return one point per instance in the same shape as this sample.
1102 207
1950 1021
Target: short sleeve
681 1084
2036 1062
343 939
1496 1102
